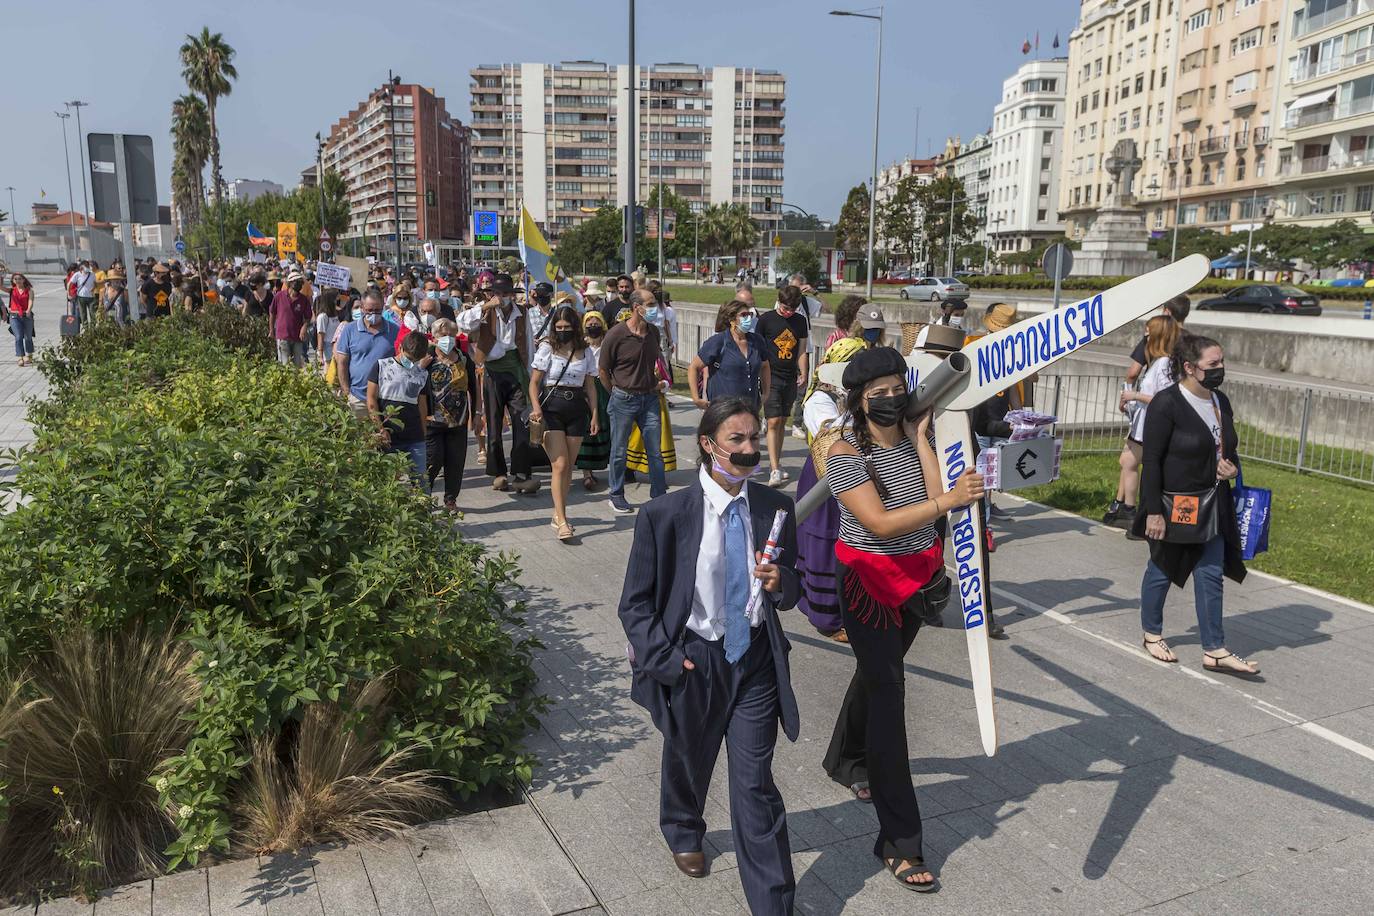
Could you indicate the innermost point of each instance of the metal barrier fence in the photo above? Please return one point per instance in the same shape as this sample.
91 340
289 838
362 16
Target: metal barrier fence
1314 430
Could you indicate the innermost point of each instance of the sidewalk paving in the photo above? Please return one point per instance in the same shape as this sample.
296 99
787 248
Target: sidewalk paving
1120 784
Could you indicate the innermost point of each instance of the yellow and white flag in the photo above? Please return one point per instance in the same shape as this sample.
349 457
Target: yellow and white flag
538 257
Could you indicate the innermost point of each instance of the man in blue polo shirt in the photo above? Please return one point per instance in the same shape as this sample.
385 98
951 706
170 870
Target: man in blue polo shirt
363 342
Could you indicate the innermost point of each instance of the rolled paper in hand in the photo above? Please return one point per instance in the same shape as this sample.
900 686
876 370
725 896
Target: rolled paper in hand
770 553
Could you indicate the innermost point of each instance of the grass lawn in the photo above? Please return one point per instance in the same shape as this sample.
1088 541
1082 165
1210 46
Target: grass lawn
1318 527
712 294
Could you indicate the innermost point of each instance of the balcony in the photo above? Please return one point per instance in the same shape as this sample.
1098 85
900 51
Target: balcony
1189 150
1321 114
1330 17
1173 154
1214 146
1240 140
1260 136
1320 165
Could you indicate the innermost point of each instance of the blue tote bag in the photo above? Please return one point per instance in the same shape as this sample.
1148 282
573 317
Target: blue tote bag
1252 517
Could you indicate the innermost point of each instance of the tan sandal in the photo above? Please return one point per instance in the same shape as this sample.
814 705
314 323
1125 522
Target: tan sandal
565 531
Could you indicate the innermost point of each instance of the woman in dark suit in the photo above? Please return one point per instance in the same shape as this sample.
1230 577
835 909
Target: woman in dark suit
1190 446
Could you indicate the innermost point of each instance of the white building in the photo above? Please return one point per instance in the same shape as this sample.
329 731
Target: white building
549 136
247 189
1025 156
973 166
923 170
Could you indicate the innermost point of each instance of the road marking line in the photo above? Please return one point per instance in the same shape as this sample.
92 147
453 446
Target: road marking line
1263 706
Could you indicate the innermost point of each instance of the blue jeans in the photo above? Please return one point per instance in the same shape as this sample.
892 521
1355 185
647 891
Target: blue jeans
1154 588
627 410
22 327
418 459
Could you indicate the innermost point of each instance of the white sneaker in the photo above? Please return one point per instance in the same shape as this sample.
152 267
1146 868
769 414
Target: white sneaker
777 478
798 433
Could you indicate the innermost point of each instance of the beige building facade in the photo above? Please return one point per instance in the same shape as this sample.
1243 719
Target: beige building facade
1220 162
1120 86
1325 109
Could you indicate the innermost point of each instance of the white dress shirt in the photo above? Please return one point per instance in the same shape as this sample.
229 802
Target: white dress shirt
470 319
708 599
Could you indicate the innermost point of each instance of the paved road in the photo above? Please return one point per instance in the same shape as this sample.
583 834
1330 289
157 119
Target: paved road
1121 785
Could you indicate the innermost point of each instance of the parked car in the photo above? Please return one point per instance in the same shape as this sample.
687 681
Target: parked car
1267 299
934 289
821 286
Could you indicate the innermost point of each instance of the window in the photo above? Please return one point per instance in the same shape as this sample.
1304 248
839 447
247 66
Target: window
1145 14
1125 89
1135 118
1259 166
1218 211
1364 198
1095 100
1046 137
1187 215
1040 216
1044 163
1140 84
1244 5
1240 170
1121 123
1244 83
1198 20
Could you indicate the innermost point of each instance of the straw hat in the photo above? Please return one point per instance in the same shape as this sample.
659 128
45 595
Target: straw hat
564 298
999 317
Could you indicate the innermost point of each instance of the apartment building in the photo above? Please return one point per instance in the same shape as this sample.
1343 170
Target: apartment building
548 136
1220 165
1025 156
923 170
402 137
1120 76
1325 163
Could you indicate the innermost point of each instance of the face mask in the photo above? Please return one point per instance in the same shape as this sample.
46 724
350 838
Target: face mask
746 323
873 335
428 319
563 337
748 460
886 411
956 321
406 362
373 318
1212 378
357 314
411 321
653 315
445 344
431 294
594 331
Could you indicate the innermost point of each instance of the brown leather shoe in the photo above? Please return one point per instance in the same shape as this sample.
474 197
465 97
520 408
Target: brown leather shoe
691 864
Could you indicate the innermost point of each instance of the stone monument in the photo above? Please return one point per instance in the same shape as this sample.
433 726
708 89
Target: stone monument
1118 242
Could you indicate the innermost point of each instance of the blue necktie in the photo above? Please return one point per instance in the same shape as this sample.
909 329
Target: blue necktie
736 582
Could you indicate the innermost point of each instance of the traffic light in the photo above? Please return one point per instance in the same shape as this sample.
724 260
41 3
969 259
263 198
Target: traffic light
768 205
429 198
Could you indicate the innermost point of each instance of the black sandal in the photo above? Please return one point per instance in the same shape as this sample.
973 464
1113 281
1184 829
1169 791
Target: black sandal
1217 668
861 786
913 867
1146 642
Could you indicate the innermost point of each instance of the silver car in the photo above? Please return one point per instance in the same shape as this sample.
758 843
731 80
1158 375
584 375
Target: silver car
935 289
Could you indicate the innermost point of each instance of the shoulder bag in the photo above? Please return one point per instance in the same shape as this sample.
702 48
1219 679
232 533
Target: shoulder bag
1190 517
537 426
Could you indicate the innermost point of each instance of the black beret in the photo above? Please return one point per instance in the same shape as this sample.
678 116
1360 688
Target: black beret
872 363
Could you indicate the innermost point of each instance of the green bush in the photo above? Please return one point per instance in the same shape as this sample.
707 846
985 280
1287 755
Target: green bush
182 481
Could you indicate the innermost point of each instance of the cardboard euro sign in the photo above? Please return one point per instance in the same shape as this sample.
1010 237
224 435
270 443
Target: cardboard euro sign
954 385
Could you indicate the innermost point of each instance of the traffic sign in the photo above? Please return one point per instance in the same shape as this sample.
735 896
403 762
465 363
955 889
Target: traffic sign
486 227
1058 261
326 246
324 235
180 246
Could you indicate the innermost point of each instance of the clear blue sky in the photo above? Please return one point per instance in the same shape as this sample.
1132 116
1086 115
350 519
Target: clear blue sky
304 64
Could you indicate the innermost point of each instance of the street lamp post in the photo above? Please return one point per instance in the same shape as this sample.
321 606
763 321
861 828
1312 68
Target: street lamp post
71 198
13 223
1250 242
392 82
877 107
631 187
1178 208
81 151
949 245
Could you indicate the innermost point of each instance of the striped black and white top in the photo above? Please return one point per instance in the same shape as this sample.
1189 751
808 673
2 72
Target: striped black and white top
900 470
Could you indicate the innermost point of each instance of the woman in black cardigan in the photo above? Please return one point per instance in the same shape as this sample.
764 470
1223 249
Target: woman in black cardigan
1190 445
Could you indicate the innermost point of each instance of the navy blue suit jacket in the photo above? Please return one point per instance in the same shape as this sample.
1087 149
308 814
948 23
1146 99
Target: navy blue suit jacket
660 582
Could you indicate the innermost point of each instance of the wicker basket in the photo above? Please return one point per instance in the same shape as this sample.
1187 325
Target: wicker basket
820 446
910 331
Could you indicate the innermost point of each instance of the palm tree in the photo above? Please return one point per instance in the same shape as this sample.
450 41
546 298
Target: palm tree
207 66
738 229
190 149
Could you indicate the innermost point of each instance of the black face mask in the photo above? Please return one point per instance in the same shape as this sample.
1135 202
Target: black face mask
1212 378
886 411
594 332
563 337
740 459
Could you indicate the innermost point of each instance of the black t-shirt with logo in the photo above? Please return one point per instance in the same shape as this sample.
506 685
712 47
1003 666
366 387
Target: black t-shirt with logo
782 337
158 296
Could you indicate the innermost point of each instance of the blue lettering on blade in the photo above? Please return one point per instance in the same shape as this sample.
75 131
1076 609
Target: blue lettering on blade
1035 343
965 541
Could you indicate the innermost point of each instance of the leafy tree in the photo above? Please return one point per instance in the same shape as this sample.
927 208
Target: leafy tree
593 246
1036 255
900 217
1283 242
801 258
190 150
803 221
207 66
851 230
1193 240
934 201
1339 244
301 206
510 231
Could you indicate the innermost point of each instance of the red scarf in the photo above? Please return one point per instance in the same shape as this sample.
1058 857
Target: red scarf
876 585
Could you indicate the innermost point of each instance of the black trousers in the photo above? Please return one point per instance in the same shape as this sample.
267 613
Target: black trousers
505 396
738 704
869 741
446 452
